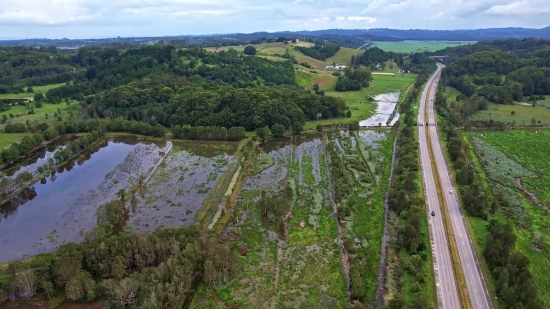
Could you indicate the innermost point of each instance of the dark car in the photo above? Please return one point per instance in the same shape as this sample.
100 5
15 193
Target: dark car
433 213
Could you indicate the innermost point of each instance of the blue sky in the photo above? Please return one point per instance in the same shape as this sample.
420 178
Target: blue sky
109 18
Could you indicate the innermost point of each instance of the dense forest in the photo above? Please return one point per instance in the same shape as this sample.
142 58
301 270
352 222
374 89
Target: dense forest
95 68
164 85
213 105
502 71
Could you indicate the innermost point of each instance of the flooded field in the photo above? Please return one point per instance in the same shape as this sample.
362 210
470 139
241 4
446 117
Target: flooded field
57 208
177 190
303 266
387 103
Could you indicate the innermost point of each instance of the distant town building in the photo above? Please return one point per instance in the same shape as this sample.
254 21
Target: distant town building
404 71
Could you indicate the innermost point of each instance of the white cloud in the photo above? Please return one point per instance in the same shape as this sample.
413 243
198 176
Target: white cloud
203 13
362 18
93 18
519 8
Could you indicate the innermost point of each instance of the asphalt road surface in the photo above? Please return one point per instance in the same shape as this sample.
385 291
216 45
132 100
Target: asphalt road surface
447 294
475 282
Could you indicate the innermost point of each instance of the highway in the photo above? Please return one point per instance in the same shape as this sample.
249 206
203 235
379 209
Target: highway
477 289
447 293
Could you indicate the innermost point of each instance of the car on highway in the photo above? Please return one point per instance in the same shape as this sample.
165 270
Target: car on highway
433 213
450 191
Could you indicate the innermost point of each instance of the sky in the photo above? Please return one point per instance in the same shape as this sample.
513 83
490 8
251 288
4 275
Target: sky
111 18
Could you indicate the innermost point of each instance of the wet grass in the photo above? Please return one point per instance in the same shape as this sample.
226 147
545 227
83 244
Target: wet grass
515 115
516 145
312 272
310 268
529 149
367 220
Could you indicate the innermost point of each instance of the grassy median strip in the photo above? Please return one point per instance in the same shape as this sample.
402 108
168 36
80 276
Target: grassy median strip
460 279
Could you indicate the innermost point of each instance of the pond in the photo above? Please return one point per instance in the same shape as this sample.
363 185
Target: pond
38 219
386 104
57 208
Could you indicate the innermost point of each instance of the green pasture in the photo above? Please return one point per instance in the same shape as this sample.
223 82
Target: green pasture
516 114
418 46
21 113
25 95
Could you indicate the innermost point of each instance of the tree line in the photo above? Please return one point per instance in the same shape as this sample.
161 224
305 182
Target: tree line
214 105
157 270
510 267
208 133
9 185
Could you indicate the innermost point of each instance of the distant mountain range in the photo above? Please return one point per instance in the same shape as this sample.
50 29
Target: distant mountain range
452 35
345 37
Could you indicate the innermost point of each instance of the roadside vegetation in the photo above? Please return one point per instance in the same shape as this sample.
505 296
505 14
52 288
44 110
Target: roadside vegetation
409 278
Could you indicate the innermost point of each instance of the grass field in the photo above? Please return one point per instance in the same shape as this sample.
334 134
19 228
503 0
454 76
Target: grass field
544 103
21 113
7 139
271 50
21 116
528 148
343 56
522 116
418 46
37 89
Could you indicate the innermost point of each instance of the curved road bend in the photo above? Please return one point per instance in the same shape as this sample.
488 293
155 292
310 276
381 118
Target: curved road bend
447 295
475 282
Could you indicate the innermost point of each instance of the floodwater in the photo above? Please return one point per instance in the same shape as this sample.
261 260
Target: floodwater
387 102
178 189
54 210
38 158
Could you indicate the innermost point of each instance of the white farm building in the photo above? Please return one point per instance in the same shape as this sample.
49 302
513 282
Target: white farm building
335 67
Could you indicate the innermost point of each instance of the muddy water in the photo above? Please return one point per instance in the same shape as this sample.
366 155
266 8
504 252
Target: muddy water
177 190
53 211
387 103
